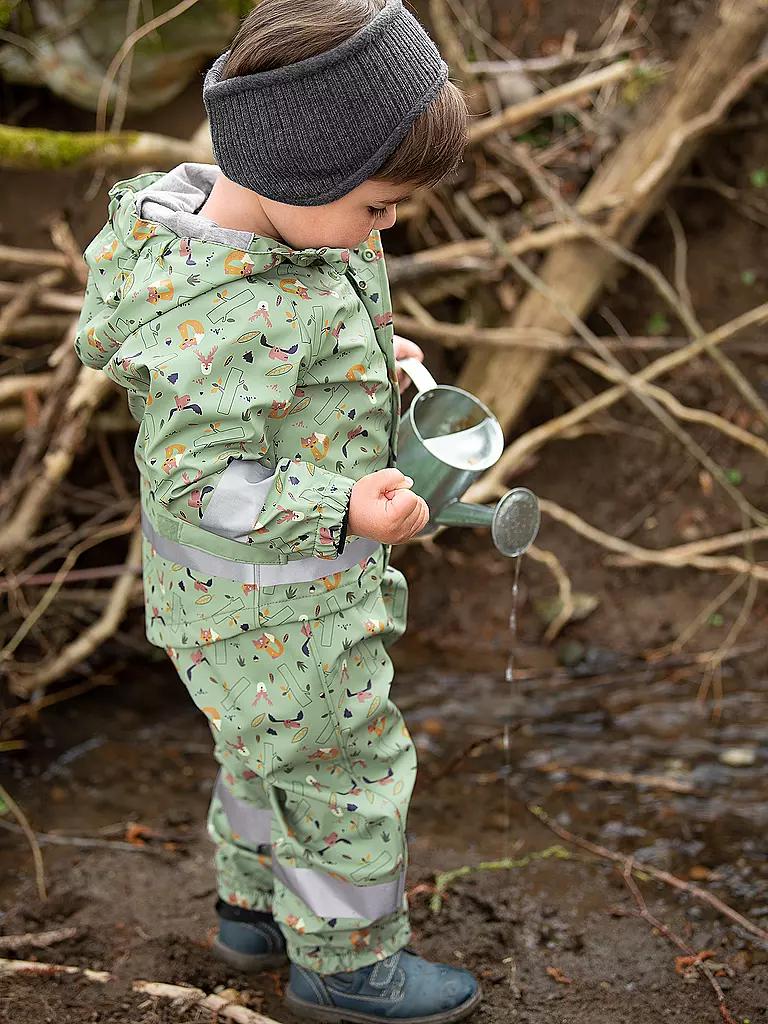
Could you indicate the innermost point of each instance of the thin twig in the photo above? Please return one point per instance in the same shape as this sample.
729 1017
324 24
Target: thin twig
619 778
679 301
127 526
564 589
25 296
32 708
16 811
39 940
492 483
698 958
45 298
557 61
663 876
490 231
125 50
183 995
694 128
676 558
452 335
31 678
87 843
683 412
65 242
33 257
103 572
550 100
703 617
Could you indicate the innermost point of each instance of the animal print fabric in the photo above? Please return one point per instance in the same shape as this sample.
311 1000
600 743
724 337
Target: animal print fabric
258 352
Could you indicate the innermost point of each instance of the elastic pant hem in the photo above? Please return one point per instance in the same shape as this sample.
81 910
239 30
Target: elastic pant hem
323 958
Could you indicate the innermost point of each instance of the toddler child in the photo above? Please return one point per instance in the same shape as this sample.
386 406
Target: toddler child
245 309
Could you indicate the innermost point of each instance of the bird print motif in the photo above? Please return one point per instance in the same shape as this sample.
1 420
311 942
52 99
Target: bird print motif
251 354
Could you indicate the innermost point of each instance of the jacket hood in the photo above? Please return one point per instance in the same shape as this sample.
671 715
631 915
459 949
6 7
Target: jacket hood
143 264
152 208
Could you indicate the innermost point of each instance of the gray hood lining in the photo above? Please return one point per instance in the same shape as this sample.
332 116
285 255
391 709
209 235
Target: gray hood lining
174 199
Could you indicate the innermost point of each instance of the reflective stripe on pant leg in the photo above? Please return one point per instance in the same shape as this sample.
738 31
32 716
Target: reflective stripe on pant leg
333 897
251 823
325 895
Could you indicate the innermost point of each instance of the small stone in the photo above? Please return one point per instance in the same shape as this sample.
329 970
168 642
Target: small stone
741 962
738 757
570 653
500 821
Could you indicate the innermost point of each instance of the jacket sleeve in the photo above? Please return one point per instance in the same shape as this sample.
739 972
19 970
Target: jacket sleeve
220 403
96 339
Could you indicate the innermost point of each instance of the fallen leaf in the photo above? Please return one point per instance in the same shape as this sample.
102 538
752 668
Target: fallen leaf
557 975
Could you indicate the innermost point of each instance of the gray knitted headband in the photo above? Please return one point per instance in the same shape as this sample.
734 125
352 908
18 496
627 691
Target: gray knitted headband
308 133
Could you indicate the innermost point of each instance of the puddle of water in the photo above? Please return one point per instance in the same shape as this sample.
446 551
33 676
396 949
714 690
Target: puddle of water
142 751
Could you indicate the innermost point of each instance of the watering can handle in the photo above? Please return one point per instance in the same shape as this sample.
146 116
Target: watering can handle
418 373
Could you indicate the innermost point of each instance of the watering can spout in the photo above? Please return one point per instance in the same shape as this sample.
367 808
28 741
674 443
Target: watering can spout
514 522
462 513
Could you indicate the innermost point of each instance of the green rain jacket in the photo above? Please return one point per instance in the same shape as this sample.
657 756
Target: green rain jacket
263 379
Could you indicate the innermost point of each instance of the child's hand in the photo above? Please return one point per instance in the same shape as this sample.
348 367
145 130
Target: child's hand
384 508
405 349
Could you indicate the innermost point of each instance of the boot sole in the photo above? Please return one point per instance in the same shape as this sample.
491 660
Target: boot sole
336 1014
248 963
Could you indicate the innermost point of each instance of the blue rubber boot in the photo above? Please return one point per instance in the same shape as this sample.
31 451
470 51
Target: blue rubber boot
248 940
403 988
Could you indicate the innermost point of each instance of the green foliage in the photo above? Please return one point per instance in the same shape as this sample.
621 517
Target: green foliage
734 476
658 325
7 7
446 878
759 177
748 277
716 619
640 84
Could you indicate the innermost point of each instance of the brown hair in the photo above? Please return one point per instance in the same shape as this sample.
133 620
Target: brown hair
276 34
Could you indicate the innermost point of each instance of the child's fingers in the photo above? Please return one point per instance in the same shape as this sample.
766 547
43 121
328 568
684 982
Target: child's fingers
390 480
402 504
415 517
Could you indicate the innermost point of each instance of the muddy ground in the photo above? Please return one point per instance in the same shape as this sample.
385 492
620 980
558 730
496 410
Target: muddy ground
137 751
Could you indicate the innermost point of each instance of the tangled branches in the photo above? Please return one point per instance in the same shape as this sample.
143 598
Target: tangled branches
515 219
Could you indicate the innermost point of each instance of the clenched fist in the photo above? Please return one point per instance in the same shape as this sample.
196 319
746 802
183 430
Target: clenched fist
383 507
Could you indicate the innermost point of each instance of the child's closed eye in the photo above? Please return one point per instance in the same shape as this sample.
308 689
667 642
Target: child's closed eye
377 211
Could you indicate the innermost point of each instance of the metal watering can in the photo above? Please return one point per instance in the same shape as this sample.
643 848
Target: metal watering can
448 439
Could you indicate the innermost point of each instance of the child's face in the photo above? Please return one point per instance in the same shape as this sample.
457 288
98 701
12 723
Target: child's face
344 224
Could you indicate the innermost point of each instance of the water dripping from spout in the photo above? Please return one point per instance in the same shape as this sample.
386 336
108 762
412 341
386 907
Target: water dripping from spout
512 702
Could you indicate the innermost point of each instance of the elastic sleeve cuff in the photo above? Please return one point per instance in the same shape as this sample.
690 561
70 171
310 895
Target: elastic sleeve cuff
344 531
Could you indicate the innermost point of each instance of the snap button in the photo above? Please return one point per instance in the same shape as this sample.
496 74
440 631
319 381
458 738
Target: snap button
369 255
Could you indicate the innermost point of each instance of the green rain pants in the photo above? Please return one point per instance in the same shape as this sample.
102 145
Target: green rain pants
317 769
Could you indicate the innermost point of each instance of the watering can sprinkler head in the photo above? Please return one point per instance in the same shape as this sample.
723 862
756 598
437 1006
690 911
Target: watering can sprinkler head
448 438
514 521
